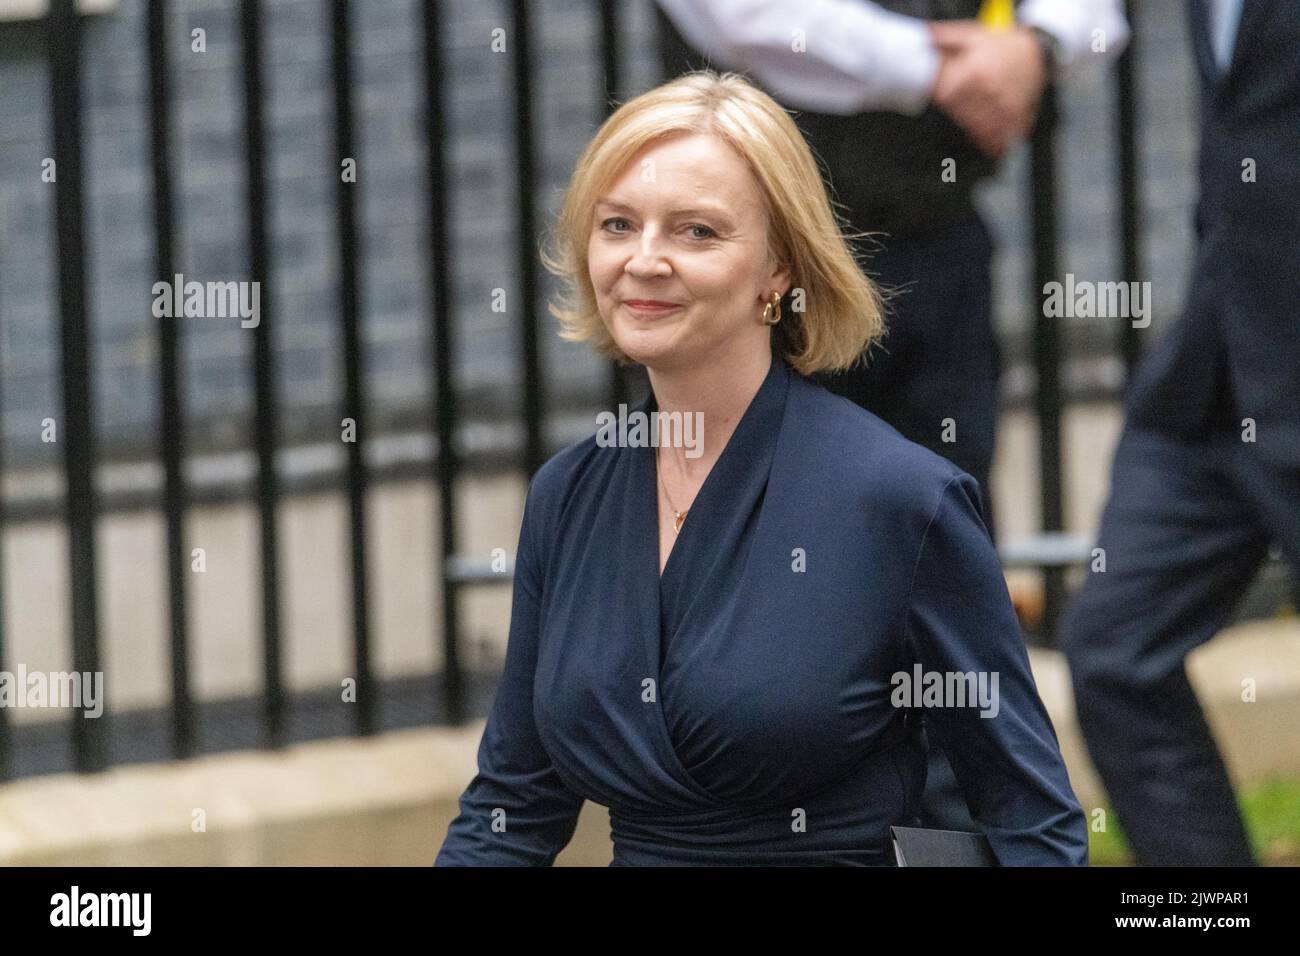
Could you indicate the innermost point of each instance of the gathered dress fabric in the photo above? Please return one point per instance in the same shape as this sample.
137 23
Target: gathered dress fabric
738 710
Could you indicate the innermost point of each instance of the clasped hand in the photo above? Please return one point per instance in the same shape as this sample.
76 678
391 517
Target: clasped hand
989 81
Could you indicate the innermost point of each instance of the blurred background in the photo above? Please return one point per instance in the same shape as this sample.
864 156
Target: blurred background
287 547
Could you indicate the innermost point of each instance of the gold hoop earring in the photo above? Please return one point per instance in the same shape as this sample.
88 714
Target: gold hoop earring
772 311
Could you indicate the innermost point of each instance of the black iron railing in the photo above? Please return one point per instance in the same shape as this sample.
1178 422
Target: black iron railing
456 571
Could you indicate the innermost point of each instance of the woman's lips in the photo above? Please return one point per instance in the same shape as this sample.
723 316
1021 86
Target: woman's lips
648 308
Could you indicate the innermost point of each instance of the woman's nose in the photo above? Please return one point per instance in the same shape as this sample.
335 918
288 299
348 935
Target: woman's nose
647 259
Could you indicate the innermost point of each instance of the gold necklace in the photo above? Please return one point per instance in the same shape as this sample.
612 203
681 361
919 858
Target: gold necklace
678 516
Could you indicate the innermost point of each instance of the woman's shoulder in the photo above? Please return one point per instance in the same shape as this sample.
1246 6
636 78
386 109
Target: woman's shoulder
871 472
562 475
855 449
559 472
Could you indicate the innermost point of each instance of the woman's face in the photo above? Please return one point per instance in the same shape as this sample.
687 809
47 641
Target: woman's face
684 224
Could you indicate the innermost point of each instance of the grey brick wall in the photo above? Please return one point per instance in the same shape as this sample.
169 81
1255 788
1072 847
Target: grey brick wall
388 59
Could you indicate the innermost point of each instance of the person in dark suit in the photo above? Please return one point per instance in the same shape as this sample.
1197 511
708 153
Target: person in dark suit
1207 469
728 641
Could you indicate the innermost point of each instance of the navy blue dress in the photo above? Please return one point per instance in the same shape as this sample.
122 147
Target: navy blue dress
738 711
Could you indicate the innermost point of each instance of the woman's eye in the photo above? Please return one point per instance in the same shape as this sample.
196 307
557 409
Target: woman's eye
695 230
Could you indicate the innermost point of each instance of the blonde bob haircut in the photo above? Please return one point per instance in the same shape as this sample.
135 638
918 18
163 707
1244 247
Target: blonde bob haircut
841 313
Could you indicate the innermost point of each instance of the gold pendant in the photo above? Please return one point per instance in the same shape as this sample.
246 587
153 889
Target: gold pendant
678 518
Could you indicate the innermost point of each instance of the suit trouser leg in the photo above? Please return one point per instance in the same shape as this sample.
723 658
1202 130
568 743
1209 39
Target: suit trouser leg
935 379
1181 544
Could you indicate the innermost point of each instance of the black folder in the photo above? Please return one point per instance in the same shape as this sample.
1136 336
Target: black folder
918 846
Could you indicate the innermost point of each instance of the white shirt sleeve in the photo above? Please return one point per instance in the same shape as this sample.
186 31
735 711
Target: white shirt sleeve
848 56
1090 32
833 56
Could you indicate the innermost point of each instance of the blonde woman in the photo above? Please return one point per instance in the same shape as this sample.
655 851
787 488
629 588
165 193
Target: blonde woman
729 643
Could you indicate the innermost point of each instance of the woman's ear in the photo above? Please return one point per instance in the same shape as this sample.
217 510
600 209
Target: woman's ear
779 279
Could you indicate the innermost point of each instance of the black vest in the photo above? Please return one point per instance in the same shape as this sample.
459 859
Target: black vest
884 167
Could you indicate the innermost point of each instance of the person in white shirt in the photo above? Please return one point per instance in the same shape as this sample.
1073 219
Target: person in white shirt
862 56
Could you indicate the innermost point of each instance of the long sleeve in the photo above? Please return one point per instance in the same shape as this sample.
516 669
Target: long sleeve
858 55
516 811
1008 763
1078 25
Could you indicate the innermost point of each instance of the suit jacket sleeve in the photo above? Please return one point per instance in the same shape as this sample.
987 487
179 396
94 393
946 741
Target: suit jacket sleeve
1009 764
516 811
